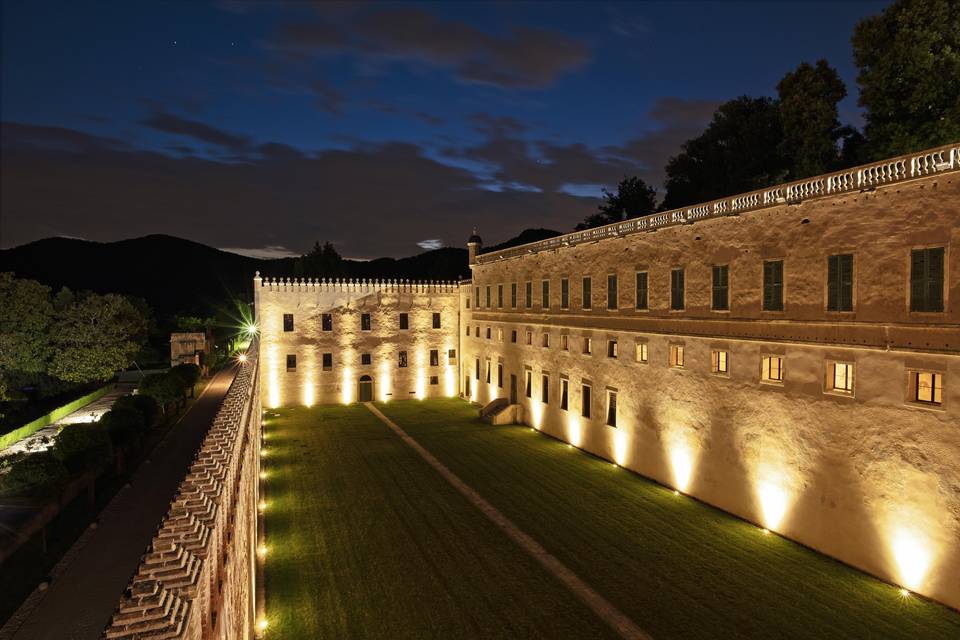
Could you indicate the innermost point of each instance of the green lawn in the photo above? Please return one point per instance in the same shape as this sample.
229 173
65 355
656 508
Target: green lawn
368 541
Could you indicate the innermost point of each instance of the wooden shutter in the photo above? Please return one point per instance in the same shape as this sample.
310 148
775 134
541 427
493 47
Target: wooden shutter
845 283
833 283
642 290
935 279
918 268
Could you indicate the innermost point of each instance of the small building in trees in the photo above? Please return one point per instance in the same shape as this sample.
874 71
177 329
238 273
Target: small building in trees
190 347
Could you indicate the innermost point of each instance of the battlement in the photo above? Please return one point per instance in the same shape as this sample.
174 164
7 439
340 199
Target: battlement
355 285
857 179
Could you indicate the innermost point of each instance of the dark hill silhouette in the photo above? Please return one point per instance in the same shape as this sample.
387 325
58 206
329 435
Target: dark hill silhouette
177 276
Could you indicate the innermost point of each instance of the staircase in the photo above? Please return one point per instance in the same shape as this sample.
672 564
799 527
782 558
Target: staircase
499 412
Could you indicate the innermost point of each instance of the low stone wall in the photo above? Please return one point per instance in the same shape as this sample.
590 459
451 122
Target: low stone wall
196 579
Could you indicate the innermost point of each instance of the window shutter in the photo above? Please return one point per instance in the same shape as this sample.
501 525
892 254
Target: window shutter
845 283
767 285
918 268
935 279
833 283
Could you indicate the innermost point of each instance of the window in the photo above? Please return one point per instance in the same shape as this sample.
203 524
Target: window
718 362
436 320
840 283
488 370
545 389
405 323
641 289
452 356
468 331
587 299
928 387
612 293
529 337
676 356
499 334
513 335
528 295
564 293
288 322
467 299
326 322
773 285
488 333
476 331
772 369
641 352
327 361
500 296
585 401
564 342
721 288
402 359
292 362
434 379
513 295
611 408
365 322
587 346
476 292
564 393
488 296
676 289
434 357
840 377
546 339
611 348
365 358
528 383
926 279
500 375
545 295
476 368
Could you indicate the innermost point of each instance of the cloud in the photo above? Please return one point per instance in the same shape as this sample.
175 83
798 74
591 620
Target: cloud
268 252
370 200
431 244
496 126
523 57
170 123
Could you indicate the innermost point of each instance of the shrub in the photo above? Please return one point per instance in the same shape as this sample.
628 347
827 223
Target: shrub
186 375
162 387
123 424
35 475
146 405
84 447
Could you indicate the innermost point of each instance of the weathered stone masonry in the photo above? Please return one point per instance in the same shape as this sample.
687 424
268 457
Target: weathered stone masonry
196 579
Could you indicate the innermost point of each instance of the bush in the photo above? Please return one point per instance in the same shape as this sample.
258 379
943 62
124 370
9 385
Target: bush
84 447
145 405
162 387
35 475
186 375
123 424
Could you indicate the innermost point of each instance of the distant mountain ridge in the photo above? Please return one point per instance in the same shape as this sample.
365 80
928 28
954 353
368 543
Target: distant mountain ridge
178 276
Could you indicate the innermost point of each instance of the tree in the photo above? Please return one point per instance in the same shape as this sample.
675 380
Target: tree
26 315
145 405
186 375
95 336
123 424
320 261
162 387
36 475
84 447
634 198
740 151
909 60
808 110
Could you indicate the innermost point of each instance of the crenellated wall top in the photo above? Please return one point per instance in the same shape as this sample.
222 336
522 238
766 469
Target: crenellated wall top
857 179
348 285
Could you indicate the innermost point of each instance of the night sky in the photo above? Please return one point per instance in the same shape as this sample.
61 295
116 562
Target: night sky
383 128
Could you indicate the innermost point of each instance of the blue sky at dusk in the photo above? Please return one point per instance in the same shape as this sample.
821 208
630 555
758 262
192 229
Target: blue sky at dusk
266 126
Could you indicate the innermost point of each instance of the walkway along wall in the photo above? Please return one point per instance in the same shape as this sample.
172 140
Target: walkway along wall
791 356
196 579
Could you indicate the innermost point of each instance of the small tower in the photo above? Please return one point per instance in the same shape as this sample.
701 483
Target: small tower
473 247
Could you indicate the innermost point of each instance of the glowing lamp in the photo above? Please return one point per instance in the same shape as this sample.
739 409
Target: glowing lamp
773 503
912 557
242 358
682 463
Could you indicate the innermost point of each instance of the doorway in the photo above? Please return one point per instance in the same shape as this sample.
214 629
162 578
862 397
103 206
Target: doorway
513 389
365 387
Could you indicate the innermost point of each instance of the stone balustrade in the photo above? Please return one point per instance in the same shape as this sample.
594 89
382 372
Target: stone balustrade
349 285
862 178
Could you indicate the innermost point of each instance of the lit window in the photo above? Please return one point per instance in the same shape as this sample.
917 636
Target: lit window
772 369
402 359
676 355
546 339
434 357
405 323
326 322
929 387
611 408
500 334
565 342
292 362
611 348
718 362
587 346
641 352
545 389
564 393
840 377
585 401
528 383
365 322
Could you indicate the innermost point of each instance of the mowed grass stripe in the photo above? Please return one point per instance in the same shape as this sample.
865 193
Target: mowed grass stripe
678 568
365 540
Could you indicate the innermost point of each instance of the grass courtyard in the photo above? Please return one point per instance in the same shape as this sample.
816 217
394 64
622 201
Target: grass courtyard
366 540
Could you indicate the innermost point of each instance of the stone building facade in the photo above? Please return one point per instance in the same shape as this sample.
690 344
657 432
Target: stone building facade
791 356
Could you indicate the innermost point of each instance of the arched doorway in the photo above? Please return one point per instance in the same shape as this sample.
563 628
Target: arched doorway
365 388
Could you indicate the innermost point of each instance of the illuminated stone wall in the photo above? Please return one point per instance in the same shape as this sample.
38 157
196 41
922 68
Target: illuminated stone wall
346 301
870 478
196 579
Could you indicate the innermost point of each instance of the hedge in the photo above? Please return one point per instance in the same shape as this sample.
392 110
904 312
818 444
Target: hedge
48 419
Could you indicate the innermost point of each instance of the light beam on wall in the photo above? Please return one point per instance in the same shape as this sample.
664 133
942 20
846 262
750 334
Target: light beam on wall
346 387
912 557
773 503
574 432
536 414
450 381
681 462
621 446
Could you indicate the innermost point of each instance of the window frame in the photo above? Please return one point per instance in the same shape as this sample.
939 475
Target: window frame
838 285
641 294
720 362
613 293
586 293
922 282
678 289
773 292
720 289
766 369
676 355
